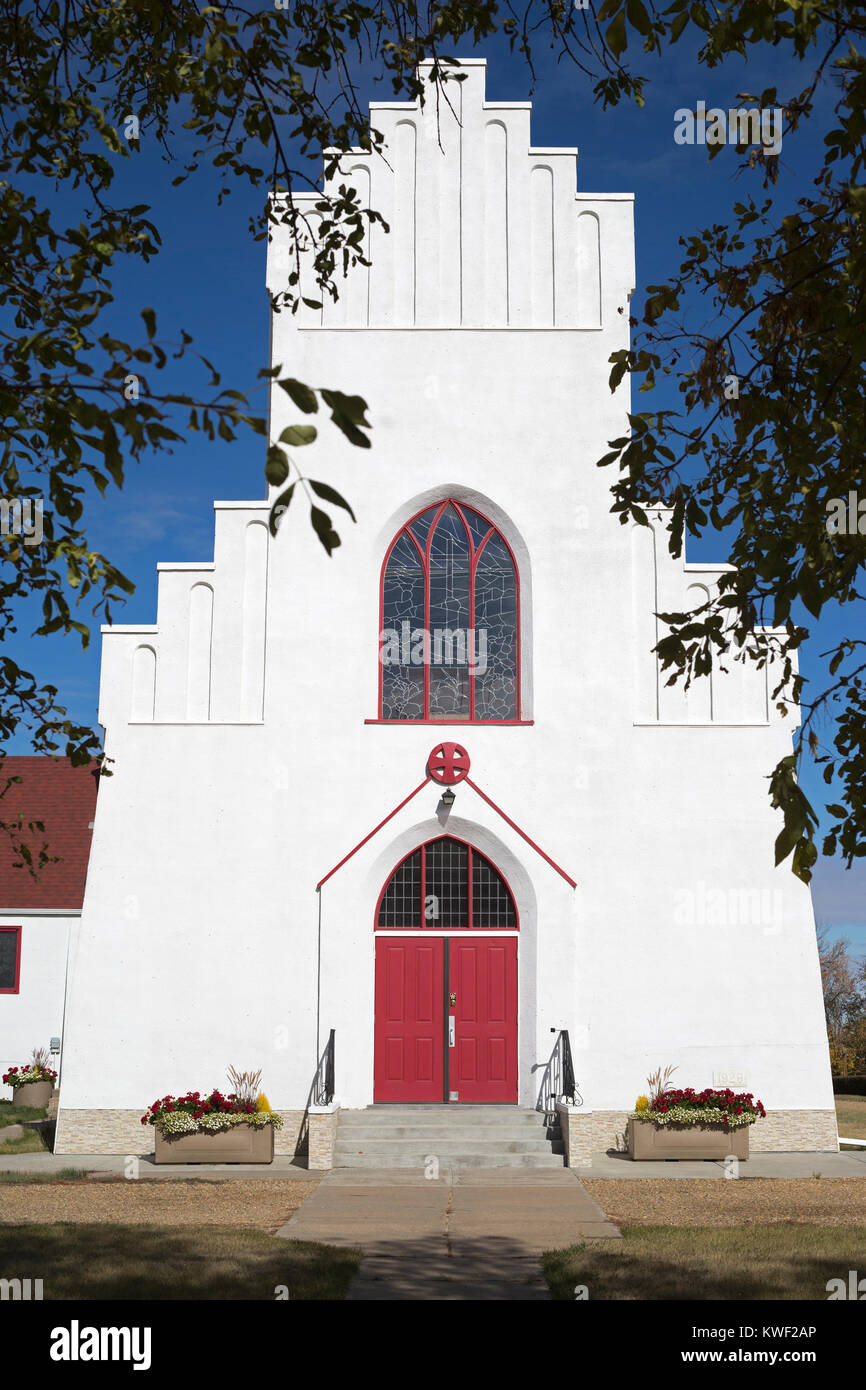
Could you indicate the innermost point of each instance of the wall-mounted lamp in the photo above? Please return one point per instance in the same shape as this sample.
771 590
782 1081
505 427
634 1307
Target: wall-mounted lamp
448 798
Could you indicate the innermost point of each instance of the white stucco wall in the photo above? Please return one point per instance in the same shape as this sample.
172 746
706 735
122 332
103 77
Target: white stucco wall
199 943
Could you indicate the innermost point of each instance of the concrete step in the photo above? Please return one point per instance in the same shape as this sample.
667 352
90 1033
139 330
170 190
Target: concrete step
444 1146
463 1131
388 1116
464 1160
462 1136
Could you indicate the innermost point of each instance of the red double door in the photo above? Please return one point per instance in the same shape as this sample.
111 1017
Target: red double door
446 1019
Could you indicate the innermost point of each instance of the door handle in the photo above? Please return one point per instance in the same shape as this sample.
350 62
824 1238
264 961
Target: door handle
451 1039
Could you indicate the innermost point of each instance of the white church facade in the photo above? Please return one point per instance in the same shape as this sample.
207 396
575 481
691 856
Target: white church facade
402 818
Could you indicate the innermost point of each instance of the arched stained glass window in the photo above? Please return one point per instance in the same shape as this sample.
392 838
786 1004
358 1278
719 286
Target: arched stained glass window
446 885
450 636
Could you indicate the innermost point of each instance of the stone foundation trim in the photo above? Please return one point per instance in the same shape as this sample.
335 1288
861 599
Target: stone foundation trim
322 1134
577 1128
121 1132
783 1131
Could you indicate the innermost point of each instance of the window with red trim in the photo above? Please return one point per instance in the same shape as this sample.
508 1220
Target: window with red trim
446 884
449 642
10 959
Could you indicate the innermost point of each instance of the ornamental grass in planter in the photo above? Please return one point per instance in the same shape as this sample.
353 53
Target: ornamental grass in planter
215 1128
693 1124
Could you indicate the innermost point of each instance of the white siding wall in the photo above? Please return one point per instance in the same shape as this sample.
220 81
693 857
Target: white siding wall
33 1016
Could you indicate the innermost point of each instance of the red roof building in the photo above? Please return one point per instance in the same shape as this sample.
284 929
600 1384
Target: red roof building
63 798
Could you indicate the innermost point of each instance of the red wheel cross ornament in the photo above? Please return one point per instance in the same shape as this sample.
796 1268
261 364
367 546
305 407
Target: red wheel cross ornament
448 763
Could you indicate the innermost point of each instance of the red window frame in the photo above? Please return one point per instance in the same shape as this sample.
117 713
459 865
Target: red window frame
472 851
16 987
474 555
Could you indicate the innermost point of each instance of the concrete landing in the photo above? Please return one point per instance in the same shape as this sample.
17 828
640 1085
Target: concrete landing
472 1234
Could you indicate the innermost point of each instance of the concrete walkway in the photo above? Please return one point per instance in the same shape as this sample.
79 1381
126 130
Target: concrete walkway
604 1165
115 1165
851 1164
471 1234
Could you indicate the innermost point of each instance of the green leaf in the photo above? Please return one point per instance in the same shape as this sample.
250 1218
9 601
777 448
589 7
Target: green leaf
280 507
329 494
276 466
303 396
323 529
616 38
353 408
638 16
299 435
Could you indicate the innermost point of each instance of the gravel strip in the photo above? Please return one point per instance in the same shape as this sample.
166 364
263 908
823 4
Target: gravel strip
259 1203
738 1202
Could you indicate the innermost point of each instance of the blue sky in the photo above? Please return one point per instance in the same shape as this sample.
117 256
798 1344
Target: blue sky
210 279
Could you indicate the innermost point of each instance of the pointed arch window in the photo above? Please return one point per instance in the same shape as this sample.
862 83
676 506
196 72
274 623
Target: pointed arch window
447 885
450 631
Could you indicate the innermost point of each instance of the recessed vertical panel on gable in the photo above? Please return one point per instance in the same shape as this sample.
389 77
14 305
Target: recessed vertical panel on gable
542 246
143 701
565 294
754 688
199 652
404 229
589 286
288 261
515 116
351 307
173 628
382 198
356 286
766 682
334 310
670 598
729 703
495 217
741 695
226 634
254 620
429 181
699 696
450 211
472 245
644 623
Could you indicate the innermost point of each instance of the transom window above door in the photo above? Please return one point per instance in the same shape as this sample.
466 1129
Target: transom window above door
446 885
449 641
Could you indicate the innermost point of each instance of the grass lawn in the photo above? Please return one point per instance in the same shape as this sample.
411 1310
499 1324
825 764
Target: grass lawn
851 1116
14 1114
709 1262
30 1142
174 1262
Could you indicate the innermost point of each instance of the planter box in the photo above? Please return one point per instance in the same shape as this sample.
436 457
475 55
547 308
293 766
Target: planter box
34 1093
647 1140
239 1144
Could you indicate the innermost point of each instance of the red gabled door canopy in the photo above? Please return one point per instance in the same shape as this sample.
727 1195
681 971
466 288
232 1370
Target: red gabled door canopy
447 764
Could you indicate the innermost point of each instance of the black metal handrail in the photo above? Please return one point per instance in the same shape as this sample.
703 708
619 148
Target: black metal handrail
569 1084
323 1089
558 1082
